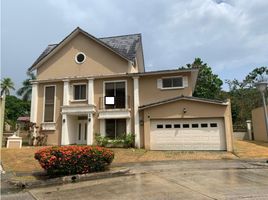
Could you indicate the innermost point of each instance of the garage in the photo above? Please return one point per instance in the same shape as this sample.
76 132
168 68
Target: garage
187 134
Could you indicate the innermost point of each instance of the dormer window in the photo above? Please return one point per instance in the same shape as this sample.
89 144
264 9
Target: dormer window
80 58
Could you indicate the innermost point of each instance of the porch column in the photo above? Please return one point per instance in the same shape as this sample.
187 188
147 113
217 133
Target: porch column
64 130
90 133
33 116
136 111
66 92
90 91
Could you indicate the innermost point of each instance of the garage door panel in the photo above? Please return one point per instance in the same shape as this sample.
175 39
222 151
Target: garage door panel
198 138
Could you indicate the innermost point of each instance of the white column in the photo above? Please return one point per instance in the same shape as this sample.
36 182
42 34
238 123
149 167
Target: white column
136 112
66 92
90 91
102 127
34 101
90 129
64 130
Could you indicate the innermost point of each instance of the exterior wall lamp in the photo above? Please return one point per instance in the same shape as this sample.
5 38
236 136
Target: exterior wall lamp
184 110
63 120
262 86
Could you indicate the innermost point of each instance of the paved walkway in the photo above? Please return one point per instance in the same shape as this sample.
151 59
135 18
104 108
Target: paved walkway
217 179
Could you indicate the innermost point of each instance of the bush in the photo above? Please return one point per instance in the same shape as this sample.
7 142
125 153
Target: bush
68 160
126 141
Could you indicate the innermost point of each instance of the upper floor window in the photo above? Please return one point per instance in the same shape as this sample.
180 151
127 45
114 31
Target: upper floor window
49 103
80 58
80 92
172 82
117 91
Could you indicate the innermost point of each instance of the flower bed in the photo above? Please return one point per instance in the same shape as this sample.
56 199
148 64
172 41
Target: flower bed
67 160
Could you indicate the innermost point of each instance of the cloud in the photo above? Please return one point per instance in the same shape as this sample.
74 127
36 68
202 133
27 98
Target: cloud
230 35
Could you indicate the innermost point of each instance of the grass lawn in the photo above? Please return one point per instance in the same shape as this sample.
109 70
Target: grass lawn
22 160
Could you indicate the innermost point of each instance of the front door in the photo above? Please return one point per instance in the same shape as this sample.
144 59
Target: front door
82 132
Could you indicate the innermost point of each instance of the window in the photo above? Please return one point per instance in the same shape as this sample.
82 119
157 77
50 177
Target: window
186 126
213 125
115 128
177 125
117 90
168 126
172 82
159 126
80 92
194 125
204 125
49 104
80 58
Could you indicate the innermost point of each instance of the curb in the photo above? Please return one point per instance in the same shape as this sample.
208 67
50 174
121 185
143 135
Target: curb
71 179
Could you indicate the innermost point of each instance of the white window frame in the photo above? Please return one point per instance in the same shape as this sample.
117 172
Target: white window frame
171 88
115 81
75 58
44 101
73 92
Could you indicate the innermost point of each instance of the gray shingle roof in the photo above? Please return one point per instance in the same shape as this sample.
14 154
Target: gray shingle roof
125 45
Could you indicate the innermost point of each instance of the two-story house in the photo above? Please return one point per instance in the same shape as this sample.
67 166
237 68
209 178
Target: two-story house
87 85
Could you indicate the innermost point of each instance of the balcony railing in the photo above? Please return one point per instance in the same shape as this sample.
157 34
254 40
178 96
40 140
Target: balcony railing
119 103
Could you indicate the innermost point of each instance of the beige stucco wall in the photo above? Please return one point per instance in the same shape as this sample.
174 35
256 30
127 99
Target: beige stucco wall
54 137
174 110
99 60
258 122
149 92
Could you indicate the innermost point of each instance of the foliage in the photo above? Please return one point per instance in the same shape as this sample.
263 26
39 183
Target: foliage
6 85
67 160
208 85
100 140
26 90
15 108
126 141
244 96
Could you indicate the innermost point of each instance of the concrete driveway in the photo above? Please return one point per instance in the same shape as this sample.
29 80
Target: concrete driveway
217 179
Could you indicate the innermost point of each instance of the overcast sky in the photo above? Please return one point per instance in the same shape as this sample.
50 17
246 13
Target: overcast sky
230 35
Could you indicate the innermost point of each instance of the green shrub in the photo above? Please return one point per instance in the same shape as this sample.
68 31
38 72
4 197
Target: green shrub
126 141
68 160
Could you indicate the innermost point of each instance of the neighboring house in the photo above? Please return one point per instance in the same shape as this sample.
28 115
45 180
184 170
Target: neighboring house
87 85
258 122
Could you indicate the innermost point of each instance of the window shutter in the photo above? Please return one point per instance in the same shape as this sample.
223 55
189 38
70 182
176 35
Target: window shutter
159 83
185 81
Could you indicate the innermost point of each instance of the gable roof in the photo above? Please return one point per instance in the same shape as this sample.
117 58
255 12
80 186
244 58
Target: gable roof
212 101
125 46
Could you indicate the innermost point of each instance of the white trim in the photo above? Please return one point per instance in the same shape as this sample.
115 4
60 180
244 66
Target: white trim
73 92
77 109
128 126
114 114
136 111
102 127
48 126
90 130
44 100
75 58
114 81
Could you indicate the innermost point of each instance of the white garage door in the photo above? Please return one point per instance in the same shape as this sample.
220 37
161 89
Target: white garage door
190 134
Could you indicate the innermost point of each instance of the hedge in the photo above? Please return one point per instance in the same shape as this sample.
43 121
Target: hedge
66 160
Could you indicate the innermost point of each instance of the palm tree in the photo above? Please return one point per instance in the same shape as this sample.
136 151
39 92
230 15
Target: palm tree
26 90
6 85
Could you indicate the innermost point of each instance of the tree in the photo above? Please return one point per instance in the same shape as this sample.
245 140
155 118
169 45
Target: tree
26 90
6 86
208 85
244 96
15 108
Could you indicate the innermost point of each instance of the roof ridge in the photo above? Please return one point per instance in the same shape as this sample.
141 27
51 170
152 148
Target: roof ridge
120 35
